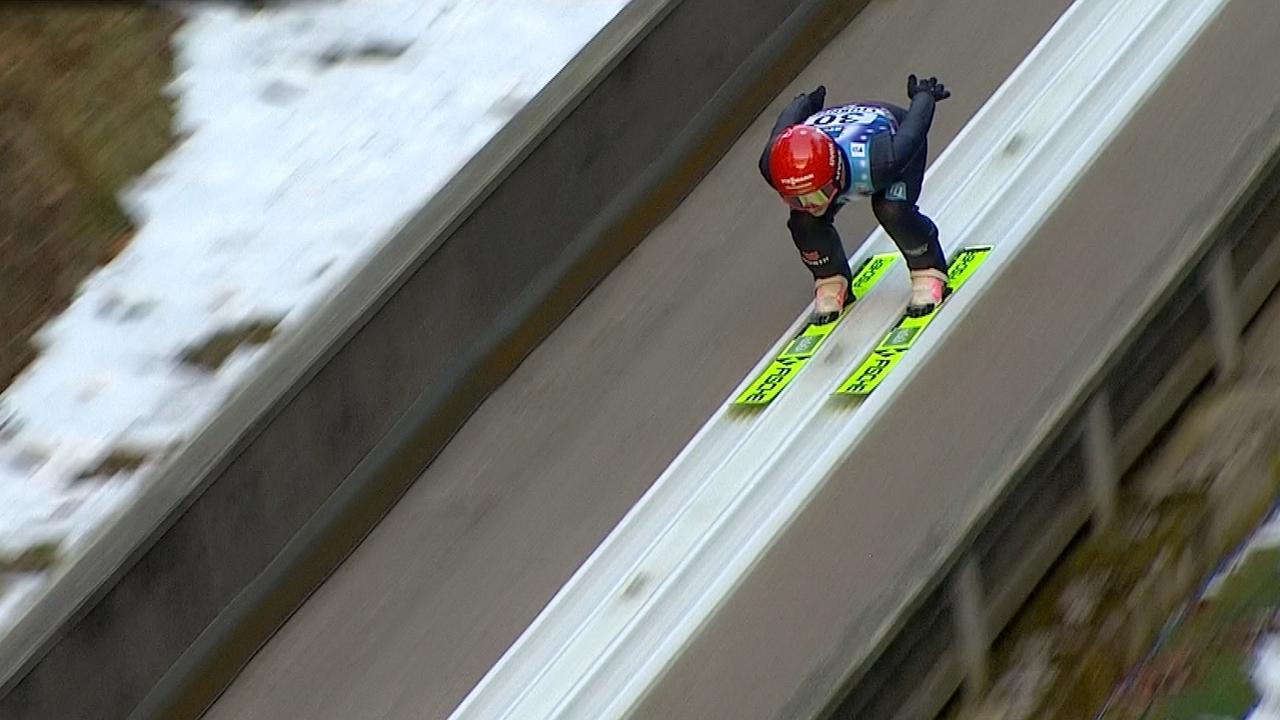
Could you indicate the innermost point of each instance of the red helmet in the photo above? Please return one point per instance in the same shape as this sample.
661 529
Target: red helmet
805 166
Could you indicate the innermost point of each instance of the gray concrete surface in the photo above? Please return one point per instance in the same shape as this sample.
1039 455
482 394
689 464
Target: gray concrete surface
552 460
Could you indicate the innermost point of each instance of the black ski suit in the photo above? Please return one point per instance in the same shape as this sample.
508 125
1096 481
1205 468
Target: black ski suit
896 158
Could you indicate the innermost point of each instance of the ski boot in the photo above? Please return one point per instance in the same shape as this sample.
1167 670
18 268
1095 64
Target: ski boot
929 288
830 295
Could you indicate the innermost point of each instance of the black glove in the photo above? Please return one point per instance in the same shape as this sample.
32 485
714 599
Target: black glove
817 98
931 86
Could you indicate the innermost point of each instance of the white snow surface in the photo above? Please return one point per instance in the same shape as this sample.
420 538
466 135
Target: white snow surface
312 131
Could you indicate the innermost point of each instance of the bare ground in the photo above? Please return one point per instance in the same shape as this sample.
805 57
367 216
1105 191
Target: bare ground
82 112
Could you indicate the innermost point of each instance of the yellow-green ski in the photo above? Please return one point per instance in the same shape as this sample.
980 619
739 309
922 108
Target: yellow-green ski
897 341
804 345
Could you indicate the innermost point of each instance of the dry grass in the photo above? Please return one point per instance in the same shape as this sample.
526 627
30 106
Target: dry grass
81 114
211 354
33 559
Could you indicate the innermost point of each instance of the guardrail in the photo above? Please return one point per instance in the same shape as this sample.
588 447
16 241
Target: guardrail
235 532
769 570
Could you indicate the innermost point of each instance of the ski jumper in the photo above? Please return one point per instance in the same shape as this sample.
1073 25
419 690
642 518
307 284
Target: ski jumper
884 150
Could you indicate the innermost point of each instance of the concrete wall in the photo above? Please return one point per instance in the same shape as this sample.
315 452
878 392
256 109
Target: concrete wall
158 618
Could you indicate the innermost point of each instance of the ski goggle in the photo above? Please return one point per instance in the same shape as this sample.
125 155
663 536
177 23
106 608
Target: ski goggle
816 200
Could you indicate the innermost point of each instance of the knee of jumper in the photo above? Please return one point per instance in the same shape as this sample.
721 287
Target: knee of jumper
904 220
892 213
